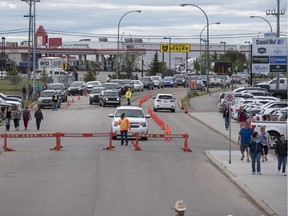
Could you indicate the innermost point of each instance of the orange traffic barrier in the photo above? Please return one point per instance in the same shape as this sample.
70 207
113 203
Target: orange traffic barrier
72 100
68 103
185 147
168 132
186 110
136 144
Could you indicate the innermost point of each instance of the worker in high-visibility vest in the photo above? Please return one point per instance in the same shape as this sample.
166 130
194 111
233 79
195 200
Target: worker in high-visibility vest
128 95
124 124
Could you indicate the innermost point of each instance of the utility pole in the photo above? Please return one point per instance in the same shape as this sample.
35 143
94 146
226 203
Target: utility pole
276 13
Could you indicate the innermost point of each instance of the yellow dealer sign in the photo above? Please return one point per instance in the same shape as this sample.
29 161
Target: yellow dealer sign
175 48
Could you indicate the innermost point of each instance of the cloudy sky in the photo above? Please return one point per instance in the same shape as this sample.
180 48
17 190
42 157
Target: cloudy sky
90 19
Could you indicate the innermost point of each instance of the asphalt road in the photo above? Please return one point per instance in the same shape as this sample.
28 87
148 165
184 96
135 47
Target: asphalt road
83 179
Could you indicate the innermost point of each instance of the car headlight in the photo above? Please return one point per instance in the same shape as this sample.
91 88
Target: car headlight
105 98
115 124
39 100
143 124
118 99
69 89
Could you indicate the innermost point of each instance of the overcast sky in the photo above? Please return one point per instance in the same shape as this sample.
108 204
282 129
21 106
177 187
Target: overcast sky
78 19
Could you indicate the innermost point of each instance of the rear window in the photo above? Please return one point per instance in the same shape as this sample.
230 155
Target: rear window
165 97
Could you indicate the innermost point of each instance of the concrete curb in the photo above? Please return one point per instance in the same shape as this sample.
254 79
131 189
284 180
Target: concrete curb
264 206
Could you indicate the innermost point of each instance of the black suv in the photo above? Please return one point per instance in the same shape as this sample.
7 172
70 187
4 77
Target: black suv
76 88
61 90
148 82
109 97
95 94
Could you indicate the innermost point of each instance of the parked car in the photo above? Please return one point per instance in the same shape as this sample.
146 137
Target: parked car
109 97
94 96
91 84
169 81
127 83
3 74
148 83
136 117
181 79
164 102
138 85
45 99
76 88
60 88
114 86
158 81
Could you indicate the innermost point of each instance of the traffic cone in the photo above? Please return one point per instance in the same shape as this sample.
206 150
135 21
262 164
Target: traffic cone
186 110
68 103
167 133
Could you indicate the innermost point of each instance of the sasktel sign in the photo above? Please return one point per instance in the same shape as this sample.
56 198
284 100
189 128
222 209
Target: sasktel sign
269 55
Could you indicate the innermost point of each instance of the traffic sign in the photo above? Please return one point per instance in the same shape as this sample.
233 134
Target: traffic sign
229 97
174 47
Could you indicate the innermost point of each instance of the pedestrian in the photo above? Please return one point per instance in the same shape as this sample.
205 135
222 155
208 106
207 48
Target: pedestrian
255 152
244 139
241 116
266 142
128 95
124 124
37 89
109 78
16 118
281 153
136 77
45 86
39 117
8 117
55 100
26 116
226 114
24 91
30 92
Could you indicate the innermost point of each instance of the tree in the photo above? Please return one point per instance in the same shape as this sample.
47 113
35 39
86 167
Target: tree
91 73
13 75
156 66
129 60
235 57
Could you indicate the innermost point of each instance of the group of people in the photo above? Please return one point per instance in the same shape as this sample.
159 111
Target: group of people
16 115
24 91
256 145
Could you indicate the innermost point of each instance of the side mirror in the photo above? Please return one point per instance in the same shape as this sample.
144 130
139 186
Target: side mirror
147 116
111 115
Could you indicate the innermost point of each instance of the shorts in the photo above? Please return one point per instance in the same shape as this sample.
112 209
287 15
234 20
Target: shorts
264 150
244 147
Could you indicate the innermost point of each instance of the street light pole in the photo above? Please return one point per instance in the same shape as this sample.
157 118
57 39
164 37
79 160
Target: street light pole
207 45
250 62
169 52
216 23
271 30
118 60
223 42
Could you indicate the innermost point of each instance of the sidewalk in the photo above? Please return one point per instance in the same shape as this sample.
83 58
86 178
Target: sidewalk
269 190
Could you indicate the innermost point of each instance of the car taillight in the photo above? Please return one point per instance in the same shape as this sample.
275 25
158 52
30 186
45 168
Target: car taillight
158 100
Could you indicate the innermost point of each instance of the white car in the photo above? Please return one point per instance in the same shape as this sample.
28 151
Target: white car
138 85
164 102
137 119
158 81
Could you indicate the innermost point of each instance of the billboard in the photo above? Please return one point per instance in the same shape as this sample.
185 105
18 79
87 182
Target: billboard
269 55
175 47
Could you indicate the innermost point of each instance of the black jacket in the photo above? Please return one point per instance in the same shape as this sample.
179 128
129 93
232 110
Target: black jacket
38 115
281 148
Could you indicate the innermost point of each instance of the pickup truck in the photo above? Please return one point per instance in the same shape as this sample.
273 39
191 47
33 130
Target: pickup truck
274 128
271 87
219 80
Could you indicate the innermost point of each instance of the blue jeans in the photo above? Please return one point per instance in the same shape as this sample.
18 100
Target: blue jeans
124 135
255 158
226 123
282 161
55 106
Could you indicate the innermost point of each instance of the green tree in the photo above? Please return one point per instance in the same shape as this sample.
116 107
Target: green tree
91 73
13 75
235 57
156 66
129 60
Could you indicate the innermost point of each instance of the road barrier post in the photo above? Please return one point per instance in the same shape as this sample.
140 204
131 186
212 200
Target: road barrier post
186 148
5 146
110 146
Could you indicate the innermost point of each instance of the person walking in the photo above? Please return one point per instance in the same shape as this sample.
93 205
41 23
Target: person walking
128 95
44 87
266 142
241 117
255 152
30 92
26 116
16 118
38 115
226 114
55 99
244 139
8 117
124 124
281 153
24 91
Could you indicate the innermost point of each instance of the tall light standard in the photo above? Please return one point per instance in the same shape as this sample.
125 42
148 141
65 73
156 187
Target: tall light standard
224 42
169 38
207 44
3 55
216 23
271 30
118 60
250 61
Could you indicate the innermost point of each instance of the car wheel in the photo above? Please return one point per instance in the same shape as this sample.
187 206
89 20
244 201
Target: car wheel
154 109
143 89
103 104
144 138
90 102
173 110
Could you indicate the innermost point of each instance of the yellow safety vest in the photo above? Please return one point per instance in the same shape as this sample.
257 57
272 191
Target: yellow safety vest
128 94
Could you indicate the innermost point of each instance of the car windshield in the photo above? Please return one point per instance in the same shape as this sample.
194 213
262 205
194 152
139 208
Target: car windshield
136 81
109 86
126 81
96 91
55 87
179 76
76 84
110 93
155 78
144 79
130 113
168 78
46 94
165 97
94 83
